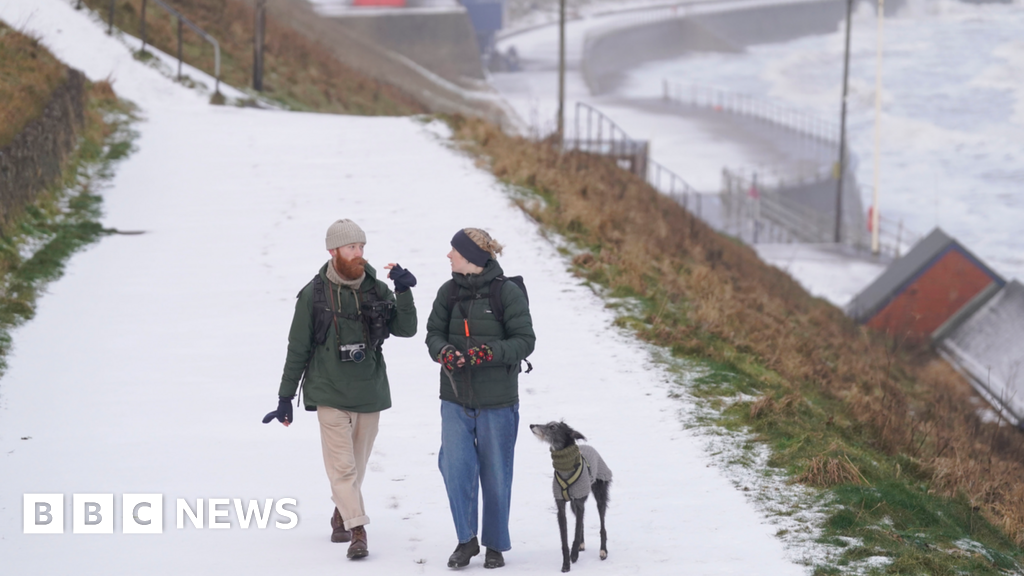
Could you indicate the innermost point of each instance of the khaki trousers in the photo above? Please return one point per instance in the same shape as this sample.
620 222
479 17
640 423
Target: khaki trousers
347 439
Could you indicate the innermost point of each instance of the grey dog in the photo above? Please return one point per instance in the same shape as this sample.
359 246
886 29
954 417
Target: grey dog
579 471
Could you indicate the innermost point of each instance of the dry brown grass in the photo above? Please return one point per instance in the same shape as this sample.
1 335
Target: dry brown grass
824 471
28 74
734 308
297 71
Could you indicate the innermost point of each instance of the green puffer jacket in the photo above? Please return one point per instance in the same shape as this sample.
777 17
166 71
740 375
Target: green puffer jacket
493 384
354 386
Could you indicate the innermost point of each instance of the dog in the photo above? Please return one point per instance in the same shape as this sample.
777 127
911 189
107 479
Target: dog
579 471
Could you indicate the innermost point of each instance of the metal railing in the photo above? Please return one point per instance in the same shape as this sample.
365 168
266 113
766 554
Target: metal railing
754 207
672 185
182 21
893 237
595 133
757 213
746 105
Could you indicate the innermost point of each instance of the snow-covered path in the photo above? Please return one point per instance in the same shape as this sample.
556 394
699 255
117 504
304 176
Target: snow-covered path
150 363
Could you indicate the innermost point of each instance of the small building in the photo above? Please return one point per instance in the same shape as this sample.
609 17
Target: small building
937 281
988 347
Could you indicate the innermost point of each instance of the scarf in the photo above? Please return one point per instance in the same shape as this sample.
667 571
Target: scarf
566 459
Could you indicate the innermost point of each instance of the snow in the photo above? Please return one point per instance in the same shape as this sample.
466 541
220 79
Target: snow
150 363
824 270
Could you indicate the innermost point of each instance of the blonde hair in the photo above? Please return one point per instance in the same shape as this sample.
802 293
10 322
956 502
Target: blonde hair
484 241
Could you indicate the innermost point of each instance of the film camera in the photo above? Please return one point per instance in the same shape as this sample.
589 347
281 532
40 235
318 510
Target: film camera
352 352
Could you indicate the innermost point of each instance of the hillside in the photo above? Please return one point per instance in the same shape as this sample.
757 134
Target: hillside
298 72
897 440
28 75
59 136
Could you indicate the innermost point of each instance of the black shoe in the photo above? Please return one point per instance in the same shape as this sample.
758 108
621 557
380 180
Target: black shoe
463 552
493 559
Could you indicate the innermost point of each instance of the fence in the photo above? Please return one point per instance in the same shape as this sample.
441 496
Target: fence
750 206
182 21
746 105
757 213
596 133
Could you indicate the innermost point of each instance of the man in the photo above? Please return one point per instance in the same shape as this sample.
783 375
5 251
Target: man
334 357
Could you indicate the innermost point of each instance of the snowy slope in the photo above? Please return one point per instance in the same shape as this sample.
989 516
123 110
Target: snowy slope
150 364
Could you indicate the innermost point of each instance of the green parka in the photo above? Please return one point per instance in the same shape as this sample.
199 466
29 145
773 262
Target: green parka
492 384
354 386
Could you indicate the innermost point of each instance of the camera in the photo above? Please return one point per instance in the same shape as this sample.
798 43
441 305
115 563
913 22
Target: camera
376 315
352 352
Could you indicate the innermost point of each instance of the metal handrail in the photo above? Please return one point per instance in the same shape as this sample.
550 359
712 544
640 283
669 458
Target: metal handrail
616 137
601 135
751 204
604 137
747 105
676 188
182 20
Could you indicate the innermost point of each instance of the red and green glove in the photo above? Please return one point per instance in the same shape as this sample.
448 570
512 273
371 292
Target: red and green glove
449 357
480 354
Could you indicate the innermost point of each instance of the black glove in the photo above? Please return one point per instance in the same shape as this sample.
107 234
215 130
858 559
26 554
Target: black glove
283 412
402 278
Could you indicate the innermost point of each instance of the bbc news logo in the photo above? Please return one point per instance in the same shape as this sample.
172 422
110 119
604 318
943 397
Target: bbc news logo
144 513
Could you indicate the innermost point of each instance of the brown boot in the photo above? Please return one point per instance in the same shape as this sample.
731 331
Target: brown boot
338 525
357 549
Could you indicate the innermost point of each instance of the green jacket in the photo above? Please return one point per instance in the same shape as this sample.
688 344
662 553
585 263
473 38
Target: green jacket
354 386
493 384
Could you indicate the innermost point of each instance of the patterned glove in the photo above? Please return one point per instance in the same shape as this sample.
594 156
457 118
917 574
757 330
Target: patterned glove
402 278
449 357
480 354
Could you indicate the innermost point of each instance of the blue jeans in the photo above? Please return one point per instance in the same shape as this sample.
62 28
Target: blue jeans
477 450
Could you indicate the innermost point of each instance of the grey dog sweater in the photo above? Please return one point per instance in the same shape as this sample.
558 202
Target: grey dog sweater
594 469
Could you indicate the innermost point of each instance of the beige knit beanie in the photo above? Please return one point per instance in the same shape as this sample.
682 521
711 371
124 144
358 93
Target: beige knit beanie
344 232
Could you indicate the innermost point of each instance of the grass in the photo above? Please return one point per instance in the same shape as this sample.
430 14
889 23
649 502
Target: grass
298 73
28 75
35 246
886 436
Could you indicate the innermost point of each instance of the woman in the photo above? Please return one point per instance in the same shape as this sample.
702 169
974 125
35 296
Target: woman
480 358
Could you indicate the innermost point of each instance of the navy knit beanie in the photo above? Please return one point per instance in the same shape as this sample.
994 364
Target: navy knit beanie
469 249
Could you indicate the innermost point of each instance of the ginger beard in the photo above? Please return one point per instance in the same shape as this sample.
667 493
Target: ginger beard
349 269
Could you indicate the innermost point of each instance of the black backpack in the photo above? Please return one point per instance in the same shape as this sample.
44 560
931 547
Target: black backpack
494 295
323 317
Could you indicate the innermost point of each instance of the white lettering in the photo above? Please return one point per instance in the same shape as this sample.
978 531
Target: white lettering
196 517
218 513
282 511
143 514
253 511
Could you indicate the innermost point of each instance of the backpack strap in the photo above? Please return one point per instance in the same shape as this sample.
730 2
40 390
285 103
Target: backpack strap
497 307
